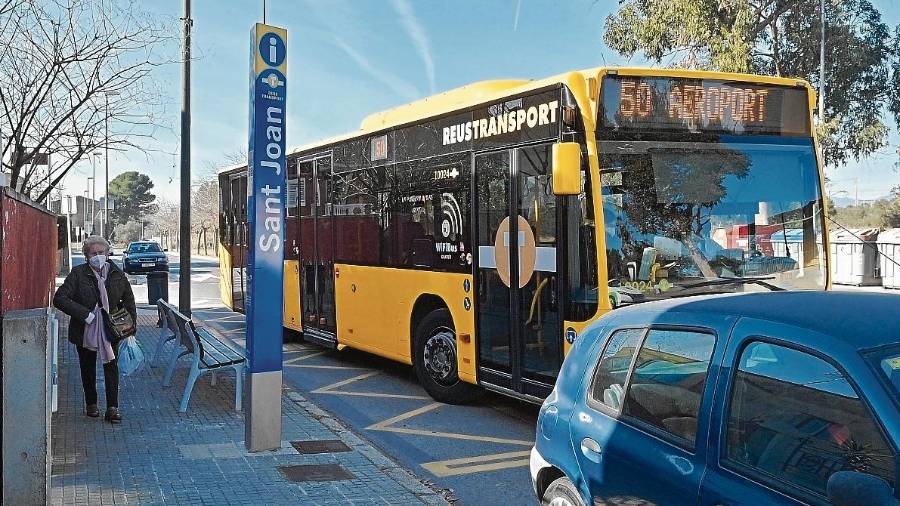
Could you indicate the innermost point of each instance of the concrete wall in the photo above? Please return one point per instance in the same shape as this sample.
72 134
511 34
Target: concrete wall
25 377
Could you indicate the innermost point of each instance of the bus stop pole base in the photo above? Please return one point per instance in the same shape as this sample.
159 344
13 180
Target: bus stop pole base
262 415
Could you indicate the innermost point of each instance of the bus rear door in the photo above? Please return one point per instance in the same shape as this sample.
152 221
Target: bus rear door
316 250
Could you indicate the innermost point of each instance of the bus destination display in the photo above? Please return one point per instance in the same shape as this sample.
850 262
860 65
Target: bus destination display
695 105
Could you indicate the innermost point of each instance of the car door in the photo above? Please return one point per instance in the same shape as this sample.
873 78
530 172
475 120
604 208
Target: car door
639 432
788 416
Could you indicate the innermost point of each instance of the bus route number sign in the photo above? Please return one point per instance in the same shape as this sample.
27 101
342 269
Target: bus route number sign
679 104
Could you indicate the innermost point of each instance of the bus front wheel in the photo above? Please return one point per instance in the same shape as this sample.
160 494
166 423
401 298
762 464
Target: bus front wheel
436 359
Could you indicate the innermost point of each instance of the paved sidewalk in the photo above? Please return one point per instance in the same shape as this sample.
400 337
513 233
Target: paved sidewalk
160 456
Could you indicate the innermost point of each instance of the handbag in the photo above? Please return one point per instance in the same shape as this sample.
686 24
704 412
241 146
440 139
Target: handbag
119 324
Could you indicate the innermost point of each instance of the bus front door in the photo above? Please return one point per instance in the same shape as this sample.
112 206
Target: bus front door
316 250
519 330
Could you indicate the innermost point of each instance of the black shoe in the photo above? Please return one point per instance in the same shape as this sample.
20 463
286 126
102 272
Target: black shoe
92 411
113 415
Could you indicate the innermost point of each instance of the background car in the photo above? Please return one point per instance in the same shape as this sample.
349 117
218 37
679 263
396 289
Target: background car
763 398
143 257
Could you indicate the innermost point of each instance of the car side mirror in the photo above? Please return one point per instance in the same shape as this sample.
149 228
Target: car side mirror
165 249
566 168
848 488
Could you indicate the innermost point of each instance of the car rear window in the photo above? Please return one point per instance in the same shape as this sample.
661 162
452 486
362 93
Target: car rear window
666 388
612 370
148 247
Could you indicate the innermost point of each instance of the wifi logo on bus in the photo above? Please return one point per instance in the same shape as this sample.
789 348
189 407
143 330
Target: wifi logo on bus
452 222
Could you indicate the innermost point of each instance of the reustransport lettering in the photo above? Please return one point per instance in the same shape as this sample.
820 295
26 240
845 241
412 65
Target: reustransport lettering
507 122
694 102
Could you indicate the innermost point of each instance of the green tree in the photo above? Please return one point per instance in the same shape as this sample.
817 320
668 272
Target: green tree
890 210
133 200
780 37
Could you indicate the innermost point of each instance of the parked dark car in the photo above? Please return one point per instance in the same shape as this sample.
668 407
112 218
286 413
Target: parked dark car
143 257
745 399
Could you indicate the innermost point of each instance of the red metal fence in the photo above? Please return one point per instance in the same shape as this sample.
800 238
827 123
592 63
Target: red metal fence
28 256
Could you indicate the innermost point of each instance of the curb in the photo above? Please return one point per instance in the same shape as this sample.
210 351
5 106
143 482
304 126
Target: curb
372 452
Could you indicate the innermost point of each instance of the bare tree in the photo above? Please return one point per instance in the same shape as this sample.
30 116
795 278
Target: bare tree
205 211
75 76
165 222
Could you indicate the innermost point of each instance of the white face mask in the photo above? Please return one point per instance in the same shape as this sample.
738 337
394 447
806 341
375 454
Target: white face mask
97 261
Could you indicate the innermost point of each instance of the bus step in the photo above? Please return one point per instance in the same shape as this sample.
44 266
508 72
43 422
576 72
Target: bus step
320 337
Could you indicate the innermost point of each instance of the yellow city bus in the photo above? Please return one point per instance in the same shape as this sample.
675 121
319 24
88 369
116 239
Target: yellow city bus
604 187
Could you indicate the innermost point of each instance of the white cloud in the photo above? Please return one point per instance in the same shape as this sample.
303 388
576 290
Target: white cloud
417 33
397 85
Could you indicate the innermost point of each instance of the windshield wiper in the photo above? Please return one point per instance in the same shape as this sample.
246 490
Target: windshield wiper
736 281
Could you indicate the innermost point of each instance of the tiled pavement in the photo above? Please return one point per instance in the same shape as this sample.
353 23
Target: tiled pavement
160 456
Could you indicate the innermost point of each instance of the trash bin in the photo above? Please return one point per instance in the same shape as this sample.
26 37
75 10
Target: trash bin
157 287
854 257
889 247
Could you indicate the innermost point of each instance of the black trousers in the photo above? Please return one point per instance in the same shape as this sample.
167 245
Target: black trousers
87 359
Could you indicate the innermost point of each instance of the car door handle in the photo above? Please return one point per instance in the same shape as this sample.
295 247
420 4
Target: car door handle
591 449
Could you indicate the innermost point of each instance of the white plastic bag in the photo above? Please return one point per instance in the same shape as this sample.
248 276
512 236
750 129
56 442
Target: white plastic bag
131 356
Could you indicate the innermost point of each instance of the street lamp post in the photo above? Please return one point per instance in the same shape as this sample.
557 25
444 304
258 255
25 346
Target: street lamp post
90 183
85 214
105 231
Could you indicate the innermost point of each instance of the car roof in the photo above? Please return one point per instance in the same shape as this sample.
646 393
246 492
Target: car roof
859 319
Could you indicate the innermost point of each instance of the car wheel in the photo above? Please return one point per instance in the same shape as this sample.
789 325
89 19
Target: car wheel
561 492
436 360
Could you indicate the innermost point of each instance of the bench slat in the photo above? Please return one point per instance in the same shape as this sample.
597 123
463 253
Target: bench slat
212 356
223 347
216 352
218 356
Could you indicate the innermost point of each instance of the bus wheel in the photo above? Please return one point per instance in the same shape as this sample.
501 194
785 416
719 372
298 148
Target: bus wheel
436 360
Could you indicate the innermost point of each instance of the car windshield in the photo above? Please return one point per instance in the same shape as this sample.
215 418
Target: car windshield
732 213
144 247
887 363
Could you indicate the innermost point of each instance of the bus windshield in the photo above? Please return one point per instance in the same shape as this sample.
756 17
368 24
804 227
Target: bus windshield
730 213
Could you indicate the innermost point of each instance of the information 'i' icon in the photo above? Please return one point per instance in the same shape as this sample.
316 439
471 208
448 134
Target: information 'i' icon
273 50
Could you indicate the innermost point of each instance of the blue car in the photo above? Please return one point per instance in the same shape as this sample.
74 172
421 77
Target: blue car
746 399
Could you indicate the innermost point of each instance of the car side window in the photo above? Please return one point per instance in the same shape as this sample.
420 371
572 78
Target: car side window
794 420
608 386
666 388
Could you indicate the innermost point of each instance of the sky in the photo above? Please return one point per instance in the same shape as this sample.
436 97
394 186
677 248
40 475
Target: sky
350 58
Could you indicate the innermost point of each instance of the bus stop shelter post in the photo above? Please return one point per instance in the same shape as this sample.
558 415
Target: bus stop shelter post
184 242
265 261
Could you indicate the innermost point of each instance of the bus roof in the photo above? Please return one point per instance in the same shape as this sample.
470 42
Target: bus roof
482 92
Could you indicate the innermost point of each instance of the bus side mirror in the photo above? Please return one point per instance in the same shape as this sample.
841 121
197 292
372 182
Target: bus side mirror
566 168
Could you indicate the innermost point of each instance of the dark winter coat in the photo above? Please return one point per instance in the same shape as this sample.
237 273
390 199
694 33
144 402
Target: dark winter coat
79 295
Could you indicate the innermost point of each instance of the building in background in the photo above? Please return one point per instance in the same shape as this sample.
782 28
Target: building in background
84 214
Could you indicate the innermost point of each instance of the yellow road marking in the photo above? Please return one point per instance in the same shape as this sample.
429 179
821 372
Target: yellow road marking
451 467
335 367
331 389
478 464
304 357
386 426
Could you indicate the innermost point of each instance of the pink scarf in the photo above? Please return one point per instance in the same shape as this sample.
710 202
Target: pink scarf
95 333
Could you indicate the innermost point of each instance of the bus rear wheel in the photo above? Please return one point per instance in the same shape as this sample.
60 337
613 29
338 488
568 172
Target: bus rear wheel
436 360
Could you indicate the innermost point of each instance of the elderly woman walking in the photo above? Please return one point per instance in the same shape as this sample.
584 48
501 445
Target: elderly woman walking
88 290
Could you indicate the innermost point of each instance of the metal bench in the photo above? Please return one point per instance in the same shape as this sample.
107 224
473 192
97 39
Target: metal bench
208 354
166 322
